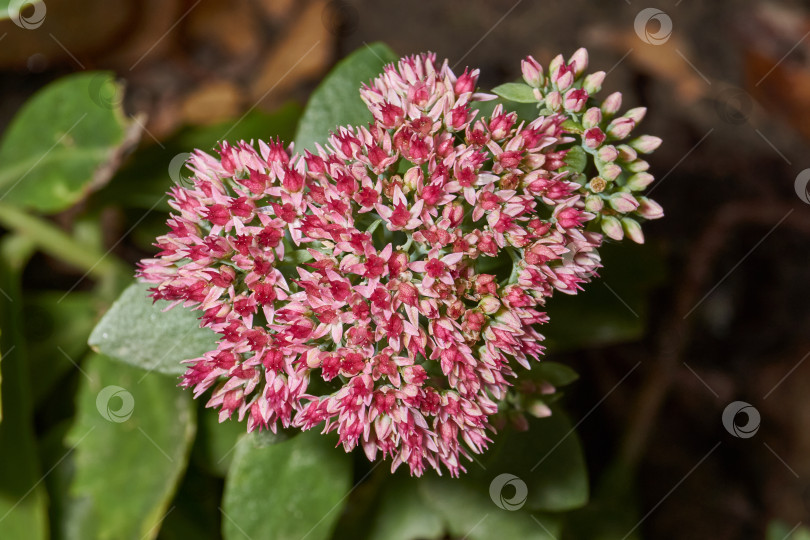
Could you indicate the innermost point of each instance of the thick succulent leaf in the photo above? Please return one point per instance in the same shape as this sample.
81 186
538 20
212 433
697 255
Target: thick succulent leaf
547 458
131 439
66 140
470 512
217 441
287 491
404 513
336 102
613 512
517 92
613 308
137 331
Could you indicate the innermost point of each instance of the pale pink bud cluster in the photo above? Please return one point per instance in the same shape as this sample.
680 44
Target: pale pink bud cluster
620 172
348 287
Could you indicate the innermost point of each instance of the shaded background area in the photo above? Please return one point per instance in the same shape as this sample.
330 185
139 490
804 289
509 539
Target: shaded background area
723 316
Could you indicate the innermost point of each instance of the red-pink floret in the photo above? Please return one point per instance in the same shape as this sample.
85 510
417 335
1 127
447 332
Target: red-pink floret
410 343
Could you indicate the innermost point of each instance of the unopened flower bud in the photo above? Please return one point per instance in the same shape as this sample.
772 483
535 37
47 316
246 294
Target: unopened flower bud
555 63
638 165
610 171
594 137
633 230
593 82
621 127
640 181
565 79
575 100
489 305
591 118
646 143
554 101
612 227
465 83
612 103
649 209
532 72
626 153
411 179
608 153
594 203
579 61
623 202
636 114
538 409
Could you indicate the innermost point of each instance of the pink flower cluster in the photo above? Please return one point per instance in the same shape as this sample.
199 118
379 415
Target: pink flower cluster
350 287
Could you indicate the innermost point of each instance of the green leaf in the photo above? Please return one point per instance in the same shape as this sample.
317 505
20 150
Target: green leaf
404 514
195 508
576 159
149 169
65 141
469 512
613 308
23 501
336 102
56 329
547 458
132 436
287 491
612 513
137 331
517 92
779 530
556 374
216 442
525 111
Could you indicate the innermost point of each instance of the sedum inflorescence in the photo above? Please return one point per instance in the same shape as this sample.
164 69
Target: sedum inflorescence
387 286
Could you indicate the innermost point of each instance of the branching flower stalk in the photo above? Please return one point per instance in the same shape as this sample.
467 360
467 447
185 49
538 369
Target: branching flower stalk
388 285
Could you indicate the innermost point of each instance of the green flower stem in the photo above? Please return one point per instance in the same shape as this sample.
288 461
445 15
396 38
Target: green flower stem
56 243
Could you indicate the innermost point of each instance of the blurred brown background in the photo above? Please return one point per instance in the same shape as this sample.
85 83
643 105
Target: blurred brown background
728 89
